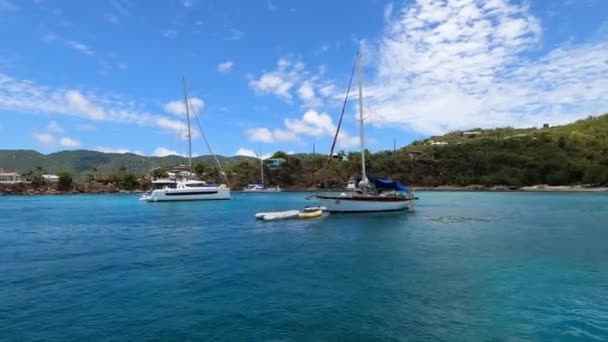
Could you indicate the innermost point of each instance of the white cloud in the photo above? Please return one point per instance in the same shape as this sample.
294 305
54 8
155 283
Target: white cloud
54 127
44 138
177 107
69 142
163 152
446 65
81 47
187 3
312 124
225 67
280 81
73 44
272 83
25 96
77 102
117 150
290 75
306 92
49 139
260 135
250 153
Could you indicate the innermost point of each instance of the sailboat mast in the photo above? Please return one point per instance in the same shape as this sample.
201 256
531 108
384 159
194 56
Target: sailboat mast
361 128
186 104
261 168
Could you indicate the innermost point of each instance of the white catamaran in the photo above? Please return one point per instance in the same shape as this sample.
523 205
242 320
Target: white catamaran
370 194
181 186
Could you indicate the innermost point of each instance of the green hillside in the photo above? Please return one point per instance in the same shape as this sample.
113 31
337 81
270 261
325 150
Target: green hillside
571 154
82 162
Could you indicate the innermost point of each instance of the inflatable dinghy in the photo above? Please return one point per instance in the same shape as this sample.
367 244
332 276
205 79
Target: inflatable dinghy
277 215
310 214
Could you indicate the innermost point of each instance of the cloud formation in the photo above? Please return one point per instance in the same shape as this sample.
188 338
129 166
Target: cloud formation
177 107
118 150
290 75
225 67
311 124
69 142
48 140
163 152
251 153
73 44
24 96
446 65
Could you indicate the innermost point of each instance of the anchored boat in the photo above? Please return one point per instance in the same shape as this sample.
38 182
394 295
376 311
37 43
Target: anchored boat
370 194
182 187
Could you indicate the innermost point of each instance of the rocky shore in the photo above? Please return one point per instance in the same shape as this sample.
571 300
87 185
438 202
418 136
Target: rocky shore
87 188
97 188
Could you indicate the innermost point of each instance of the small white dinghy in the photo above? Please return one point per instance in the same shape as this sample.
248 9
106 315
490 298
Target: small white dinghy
277 215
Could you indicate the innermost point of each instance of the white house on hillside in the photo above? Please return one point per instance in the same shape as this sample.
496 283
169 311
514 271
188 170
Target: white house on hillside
51 178
10 178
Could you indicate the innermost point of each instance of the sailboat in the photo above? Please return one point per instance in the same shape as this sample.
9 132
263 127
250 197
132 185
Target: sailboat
260 187
181 186
371 194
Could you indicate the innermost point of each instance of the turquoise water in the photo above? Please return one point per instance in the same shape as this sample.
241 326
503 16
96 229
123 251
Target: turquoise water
461 267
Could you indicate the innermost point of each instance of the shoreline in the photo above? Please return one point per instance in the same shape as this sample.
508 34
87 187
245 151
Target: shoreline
531 188
443 188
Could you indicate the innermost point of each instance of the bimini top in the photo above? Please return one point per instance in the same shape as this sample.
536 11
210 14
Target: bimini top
390 184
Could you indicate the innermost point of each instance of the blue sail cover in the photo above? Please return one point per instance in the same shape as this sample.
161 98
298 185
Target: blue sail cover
388 184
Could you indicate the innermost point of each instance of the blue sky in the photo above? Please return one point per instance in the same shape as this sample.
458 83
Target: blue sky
270 75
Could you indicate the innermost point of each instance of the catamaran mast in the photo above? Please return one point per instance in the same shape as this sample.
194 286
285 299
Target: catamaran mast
361 128
261 168
188 123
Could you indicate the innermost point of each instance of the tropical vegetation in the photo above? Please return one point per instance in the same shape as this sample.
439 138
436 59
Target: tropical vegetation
563 155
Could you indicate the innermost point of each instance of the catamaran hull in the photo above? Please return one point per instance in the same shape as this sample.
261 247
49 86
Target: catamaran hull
171 195
338 204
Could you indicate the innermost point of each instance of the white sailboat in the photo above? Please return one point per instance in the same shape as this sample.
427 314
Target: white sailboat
181 187
260 187
371 194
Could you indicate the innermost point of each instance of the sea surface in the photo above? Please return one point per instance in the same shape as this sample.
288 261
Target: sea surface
463 266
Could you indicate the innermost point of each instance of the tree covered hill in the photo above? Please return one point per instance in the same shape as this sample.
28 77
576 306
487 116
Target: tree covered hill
571 154
82 162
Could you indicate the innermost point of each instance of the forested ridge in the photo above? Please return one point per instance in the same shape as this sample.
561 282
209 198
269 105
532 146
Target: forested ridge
571 154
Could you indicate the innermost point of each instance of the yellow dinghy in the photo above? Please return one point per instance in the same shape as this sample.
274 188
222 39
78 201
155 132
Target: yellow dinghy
310 214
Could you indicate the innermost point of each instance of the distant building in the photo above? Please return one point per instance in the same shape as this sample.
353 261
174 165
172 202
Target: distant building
51 178
439 143
471 134
10 178
274 162
546 125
